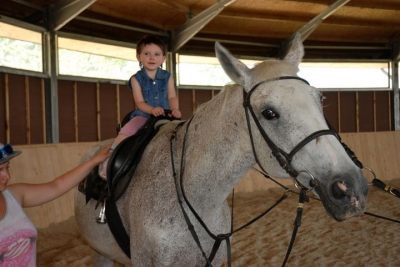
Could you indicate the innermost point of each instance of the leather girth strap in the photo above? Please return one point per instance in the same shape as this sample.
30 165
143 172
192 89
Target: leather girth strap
117 228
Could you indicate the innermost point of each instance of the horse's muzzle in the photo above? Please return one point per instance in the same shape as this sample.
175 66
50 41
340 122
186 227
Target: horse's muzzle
342 200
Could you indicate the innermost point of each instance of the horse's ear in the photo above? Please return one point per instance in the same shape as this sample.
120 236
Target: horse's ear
296 51
233 67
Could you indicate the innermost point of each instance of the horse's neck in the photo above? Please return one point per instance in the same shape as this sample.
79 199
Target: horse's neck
218 150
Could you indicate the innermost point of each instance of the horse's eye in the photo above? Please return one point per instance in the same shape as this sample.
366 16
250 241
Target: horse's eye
270 114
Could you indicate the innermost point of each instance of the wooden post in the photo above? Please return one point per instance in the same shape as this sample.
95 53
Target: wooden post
7 98
339 120
118 106
43 92
357 114
390 110
76 112
27 111
395 86
193 100
98 111
374 99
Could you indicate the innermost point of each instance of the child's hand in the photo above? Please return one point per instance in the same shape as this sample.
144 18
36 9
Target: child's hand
157 111
176 113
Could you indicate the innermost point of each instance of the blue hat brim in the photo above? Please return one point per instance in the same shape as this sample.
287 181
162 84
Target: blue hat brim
9 157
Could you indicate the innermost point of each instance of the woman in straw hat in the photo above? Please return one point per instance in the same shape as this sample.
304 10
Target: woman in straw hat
17 232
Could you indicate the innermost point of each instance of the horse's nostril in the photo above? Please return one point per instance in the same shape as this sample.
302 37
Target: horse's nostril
339 189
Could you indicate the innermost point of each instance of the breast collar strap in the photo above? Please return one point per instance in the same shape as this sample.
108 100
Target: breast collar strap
284 159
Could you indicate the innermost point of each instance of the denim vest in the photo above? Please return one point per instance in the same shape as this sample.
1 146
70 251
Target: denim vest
155 92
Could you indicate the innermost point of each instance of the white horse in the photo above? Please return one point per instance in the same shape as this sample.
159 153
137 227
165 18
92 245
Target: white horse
212 152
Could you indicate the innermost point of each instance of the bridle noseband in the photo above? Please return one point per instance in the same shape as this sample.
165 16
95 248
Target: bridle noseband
284 159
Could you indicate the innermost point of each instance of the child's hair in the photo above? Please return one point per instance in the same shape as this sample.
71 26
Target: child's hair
150 39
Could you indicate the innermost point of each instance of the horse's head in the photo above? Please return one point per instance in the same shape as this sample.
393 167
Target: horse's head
286 122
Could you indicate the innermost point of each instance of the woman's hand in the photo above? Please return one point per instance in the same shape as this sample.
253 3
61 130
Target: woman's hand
102 155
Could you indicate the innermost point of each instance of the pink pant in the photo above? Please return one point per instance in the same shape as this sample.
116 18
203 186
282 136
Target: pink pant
132 126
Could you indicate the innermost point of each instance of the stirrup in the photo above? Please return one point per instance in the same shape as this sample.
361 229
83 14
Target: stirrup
102 215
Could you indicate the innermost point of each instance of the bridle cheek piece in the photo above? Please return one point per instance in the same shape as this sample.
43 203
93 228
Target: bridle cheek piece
284 159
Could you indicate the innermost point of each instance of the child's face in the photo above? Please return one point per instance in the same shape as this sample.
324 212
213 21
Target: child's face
151 57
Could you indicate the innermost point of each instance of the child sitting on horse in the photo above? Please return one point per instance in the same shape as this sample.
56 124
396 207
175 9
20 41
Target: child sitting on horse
152 87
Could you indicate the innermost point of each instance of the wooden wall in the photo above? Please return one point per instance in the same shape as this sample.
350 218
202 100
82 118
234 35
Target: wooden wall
40 163
90 111
359 111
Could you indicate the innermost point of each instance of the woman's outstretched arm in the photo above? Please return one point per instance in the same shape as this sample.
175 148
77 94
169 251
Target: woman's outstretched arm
30 195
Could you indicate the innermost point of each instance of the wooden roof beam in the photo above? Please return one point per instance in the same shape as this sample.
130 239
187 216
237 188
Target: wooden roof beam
376 5
64 11
174 5
184 33
309 27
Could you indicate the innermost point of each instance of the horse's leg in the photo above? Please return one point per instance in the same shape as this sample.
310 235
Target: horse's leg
101 261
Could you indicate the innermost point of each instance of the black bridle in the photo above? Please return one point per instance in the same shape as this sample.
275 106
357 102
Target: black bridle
284 159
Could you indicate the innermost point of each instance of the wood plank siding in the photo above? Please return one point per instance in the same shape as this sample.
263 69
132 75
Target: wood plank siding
90 111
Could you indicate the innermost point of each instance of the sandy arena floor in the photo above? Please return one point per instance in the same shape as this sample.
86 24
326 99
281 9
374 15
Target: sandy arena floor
320 242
